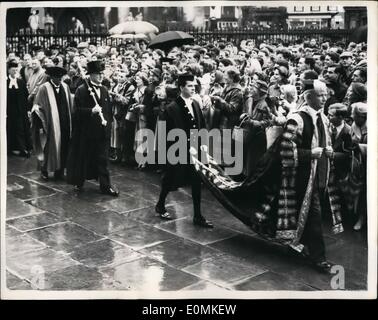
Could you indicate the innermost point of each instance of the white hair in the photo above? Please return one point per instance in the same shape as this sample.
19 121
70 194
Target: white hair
319 86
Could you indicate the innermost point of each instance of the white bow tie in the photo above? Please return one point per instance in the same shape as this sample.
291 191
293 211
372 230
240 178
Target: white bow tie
13 83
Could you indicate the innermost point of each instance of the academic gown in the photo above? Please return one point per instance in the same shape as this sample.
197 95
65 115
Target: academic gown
52 113
18 126
90 141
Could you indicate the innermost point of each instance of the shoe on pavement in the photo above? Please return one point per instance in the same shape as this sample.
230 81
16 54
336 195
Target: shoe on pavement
110 191
163 213
323 266
202 222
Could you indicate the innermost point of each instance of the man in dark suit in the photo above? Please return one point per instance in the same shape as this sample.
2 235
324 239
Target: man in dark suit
341 139
88 158
184 113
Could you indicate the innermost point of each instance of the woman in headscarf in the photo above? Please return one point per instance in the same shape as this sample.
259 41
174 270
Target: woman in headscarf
255 119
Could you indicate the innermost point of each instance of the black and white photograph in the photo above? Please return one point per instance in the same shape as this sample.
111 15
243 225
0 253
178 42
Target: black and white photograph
205 149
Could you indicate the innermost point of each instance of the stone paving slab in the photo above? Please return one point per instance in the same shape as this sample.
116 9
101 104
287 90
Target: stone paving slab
49 260
271 281
141 236
21 244
256 251
184 228
224 270
180 253
18 208
20 165
25 189
104 253
64 206
35 221
147 275
76 277
64 236
126 204
104 222
15 283
206 286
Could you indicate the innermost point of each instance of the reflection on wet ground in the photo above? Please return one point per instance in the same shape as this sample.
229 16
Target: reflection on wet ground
91 241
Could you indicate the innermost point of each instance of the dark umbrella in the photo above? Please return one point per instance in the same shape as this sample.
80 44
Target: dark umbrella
170 39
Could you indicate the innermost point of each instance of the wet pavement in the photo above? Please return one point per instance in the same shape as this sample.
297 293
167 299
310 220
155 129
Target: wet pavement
90 241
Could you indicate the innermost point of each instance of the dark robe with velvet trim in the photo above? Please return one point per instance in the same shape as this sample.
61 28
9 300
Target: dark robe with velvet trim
90 139
18 126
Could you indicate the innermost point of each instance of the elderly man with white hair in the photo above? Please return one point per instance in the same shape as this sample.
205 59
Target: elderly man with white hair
305 161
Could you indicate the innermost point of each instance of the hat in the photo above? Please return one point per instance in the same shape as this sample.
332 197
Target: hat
156 72
96 66
339 108
346 54
12 64
261 85
308 77
73 49
38 48
56 71
360 108
82 45
55 47
93 43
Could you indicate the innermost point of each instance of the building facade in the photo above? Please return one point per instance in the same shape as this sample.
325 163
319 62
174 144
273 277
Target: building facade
302 16
355 17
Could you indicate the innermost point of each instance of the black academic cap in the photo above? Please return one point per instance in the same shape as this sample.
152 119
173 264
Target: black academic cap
56 71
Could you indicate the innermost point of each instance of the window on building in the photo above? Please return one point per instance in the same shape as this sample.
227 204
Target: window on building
332 8
315 8
228 12
298 9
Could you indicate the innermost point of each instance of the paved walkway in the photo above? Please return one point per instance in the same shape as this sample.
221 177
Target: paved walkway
95 242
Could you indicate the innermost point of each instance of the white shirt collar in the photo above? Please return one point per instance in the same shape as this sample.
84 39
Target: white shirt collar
188 101
339 128
55 86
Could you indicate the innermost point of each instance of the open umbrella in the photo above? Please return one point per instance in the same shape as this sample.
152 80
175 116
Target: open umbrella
171 39
129 36
134 27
